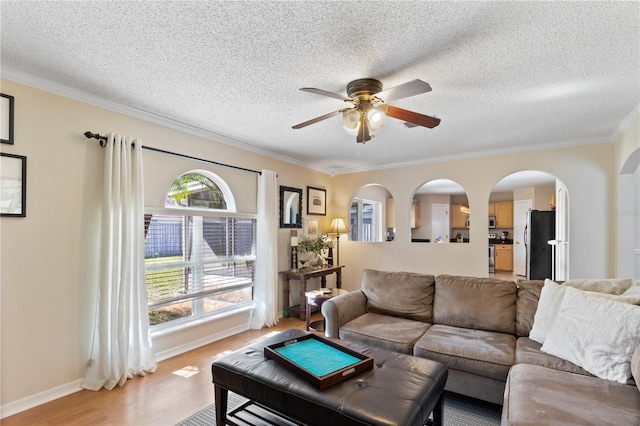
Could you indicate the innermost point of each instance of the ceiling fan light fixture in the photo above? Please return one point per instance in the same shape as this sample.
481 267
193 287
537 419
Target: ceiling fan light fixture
370 111
375 117
351 120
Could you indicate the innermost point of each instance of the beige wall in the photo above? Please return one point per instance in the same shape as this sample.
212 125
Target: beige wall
539 196
587 171
49 259
624 218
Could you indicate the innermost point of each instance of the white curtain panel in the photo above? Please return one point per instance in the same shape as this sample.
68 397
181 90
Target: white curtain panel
265 292
121 342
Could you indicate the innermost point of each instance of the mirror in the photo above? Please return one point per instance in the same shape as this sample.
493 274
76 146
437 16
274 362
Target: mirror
440 213
290 207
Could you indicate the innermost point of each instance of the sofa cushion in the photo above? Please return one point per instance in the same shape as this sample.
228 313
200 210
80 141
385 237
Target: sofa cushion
606 285
384 331
400 294
537 395
527 304
484 353
596 334
528 352
476 303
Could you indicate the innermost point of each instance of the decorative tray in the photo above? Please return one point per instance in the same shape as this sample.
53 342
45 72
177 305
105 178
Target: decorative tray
318 360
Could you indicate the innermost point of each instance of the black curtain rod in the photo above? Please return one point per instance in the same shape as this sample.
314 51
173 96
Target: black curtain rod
103 143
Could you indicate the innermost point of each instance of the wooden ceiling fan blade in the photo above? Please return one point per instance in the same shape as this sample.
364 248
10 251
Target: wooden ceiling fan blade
325 93
317 119
405 90
411 117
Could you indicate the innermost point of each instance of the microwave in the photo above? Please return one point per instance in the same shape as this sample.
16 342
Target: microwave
492 221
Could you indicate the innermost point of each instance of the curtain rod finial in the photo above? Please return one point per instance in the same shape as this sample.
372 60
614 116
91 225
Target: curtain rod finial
102 139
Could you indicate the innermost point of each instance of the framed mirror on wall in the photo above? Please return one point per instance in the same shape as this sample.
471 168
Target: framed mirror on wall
290 207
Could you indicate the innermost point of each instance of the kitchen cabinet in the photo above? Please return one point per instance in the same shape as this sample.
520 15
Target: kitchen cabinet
415 215
504 257
504 214
390 213
458 218
492 209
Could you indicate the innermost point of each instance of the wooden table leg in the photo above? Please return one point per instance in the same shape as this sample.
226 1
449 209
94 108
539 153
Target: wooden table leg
308 312
285 294
221 399
303 299
339 278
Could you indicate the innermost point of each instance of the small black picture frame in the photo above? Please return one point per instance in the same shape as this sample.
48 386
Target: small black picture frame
13 185
316 201
6 118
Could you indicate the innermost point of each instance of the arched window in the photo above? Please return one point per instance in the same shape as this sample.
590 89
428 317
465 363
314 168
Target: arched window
200 189
198 261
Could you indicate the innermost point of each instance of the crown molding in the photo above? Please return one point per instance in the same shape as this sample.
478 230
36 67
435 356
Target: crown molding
625 124
48 86
20 77
481 154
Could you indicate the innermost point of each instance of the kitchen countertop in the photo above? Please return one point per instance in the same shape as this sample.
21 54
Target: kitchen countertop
499 241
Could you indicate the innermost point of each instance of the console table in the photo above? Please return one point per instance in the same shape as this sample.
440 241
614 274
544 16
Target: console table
303 275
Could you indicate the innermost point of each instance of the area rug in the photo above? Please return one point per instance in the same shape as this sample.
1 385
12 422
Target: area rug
459 410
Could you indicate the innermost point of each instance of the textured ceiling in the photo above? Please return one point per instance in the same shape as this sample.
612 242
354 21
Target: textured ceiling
506 76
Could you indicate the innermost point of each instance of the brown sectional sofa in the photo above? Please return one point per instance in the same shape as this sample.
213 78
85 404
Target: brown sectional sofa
479 328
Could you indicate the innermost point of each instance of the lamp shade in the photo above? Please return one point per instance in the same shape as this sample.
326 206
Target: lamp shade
338 226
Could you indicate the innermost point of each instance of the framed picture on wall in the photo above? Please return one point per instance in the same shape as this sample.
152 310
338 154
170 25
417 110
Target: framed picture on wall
311 228
13 185
6 118
316 201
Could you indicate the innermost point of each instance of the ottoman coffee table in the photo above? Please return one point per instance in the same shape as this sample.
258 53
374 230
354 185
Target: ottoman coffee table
399 389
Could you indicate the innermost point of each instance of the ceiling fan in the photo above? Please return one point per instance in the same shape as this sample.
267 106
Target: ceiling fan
369 109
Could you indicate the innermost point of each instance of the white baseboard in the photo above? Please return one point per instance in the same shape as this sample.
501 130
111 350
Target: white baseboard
195 344
17 406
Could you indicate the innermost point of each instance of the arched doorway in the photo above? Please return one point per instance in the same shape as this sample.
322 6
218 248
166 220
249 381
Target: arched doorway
532 245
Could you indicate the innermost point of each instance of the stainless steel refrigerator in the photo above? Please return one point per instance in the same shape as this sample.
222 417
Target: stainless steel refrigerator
540 229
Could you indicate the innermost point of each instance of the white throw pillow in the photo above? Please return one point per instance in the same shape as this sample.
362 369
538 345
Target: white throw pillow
633 291
551 297
596 334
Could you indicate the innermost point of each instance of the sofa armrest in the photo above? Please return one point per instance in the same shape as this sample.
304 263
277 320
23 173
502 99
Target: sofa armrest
339 310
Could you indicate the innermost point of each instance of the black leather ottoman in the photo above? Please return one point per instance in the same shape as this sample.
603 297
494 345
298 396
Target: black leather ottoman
399 390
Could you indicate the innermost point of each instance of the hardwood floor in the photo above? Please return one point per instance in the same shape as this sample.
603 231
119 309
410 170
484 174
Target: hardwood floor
180 387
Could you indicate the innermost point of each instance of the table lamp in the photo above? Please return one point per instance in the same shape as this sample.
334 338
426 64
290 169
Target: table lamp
338 227
294 250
